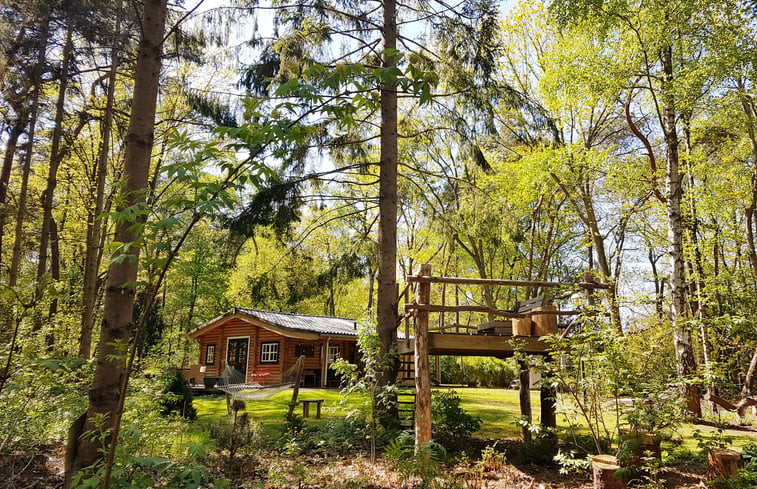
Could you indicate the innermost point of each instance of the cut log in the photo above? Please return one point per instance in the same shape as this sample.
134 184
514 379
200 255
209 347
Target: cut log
605 468
523 327
723 463
544 324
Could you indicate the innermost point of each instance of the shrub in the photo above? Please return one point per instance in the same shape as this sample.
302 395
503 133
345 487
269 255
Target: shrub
745 479
477 371
176 395
340 436
451 424
237 440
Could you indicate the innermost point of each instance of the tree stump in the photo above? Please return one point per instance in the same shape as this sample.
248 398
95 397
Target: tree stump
605 468
639 444
723 463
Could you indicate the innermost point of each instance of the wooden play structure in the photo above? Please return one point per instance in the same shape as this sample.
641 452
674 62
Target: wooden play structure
522 330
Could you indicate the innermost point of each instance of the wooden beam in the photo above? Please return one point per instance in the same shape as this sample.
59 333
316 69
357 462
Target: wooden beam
422 367
485 309
482 345
477 345
503 282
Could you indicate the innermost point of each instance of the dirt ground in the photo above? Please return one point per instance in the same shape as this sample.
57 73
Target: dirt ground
43 470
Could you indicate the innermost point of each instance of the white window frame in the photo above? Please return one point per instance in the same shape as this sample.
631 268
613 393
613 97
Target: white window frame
334 353
208 349
269 352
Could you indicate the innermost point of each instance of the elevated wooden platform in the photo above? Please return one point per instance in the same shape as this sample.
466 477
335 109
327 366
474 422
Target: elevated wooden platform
524 330
503 346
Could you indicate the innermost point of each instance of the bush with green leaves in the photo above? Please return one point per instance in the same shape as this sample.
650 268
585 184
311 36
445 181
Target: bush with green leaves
450 423
176 395
744 479
382 425
476 371
237 441
149 453
48 394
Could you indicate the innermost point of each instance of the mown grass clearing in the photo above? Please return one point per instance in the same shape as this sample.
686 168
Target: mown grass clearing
498 409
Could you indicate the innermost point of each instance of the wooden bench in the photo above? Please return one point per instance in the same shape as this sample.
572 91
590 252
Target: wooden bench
306 407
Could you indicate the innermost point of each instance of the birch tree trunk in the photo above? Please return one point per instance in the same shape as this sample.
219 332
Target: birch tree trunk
750 382
682 338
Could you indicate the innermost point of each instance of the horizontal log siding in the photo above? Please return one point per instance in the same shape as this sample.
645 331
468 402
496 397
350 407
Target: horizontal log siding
212 338
272 371
311 363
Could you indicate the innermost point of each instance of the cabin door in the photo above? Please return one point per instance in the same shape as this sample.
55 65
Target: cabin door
236 357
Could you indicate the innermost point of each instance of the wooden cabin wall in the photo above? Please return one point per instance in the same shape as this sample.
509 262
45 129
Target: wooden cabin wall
267 373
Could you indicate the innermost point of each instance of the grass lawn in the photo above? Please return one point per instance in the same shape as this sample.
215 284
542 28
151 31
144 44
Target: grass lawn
272 410
498 409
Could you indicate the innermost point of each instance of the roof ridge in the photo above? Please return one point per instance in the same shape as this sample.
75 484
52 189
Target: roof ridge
295 314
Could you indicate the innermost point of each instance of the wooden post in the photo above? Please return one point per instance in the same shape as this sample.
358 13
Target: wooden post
457 313
422 367
524 392
548 402
296 390
438 368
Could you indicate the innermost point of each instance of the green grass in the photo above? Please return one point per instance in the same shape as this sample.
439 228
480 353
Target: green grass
498 409
271 411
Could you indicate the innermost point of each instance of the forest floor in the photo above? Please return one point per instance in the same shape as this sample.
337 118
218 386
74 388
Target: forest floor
44 471
497 408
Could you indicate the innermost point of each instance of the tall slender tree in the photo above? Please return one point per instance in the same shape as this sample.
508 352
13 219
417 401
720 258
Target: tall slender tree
117 326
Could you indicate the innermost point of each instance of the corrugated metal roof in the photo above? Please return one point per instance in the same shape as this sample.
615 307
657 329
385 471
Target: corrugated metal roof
325 325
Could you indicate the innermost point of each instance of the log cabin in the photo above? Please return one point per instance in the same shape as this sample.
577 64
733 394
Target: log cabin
264 344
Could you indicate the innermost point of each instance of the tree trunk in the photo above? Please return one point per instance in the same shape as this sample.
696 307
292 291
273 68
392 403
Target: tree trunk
685 359
55 159
387 256
27 162
524 398
5 175
94 226
604 468
750 382
14 323
120 291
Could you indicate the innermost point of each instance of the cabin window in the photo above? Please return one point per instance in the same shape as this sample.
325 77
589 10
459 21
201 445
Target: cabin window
335 353
306 350
210 354
269 352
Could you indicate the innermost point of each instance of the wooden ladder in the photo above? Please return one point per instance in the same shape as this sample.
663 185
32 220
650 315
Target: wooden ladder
406 408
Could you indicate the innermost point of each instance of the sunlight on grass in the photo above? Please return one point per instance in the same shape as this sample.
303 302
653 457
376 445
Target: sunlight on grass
498 409
271 412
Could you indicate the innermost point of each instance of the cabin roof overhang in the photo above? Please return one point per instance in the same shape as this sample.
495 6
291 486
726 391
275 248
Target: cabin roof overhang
267 320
